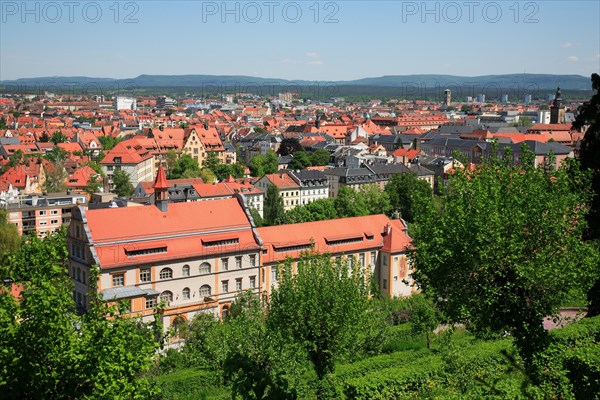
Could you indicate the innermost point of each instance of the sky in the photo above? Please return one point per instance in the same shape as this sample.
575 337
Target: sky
325 40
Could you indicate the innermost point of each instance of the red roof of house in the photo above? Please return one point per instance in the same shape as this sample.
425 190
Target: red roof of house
282 181
182 229
130 152
359 233
80 177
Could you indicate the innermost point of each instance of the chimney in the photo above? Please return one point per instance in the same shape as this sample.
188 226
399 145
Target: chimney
161 190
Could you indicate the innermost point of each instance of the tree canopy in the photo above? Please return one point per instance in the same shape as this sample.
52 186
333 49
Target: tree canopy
506 249
409 195
49 351
122 186
261 165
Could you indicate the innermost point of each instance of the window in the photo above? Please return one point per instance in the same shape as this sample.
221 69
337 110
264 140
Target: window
166 296
253 260
150 302
224 242
204 291
273 274
77 231
186 293
238 262
42 212
43 223
166 273
225 262
54 221
225 286
252 282
78 276
82 276
372 258
238 284
144 252
186 270
205 268
117 280
361 260
145 275
54 212
385 284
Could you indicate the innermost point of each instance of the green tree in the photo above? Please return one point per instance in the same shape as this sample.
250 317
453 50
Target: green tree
259 363
9 236
289 146
505 250
258 220
318 210
56 154
3 125
56 178
423 316
93 185
170 160
320 157
58 137
211 161
261 165
377 200
349 203
44 137
589 115
109 142
186 167
122 186
205 174
49 351
323 308
274 212
409 195
300 160
15 158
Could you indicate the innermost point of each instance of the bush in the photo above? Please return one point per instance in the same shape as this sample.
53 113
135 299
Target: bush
192 384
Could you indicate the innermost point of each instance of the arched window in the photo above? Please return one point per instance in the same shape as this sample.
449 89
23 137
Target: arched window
166 296
186 293
166 273
205 268
204 290
186 270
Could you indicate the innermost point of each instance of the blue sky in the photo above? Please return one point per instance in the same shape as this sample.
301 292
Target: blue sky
344 40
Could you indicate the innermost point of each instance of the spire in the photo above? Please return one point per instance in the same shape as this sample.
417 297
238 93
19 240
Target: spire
161 179
161 190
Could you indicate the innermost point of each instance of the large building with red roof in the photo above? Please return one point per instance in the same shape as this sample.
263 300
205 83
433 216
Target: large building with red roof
197 256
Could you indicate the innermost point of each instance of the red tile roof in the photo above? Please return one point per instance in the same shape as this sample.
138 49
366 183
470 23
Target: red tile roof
324 234
182 229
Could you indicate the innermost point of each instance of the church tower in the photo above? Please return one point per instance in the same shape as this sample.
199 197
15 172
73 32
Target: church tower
557 110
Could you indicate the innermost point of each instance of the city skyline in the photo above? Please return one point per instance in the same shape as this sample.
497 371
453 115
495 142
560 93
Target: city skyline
297 40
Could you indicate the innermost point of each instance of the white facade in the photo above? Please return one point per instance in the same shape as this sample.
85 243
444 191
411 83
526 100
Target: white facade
125 103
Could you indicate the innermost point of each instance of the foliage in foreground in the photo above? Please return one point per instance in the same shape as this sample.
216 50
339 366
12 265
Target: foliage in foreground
48 351
507 249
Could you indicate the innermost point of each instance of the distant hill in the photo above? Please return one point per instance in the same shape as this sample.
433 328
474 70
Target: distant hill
539 81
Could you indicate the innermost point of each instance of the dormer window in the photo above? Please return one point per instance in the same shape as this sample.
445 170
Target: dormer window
117 160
